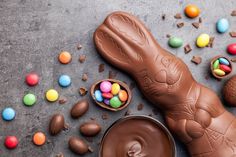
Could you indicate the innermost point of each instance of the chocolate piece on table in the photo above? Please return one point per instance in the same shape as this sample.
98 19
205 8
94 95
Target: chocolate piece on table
233 59
101 68
82 58
168 35
85 77
105 116
140 107
112 74
163 17
196 59
180 25
196 25
233 13
211 42
83 91
200 20
79 46
187 49
127 44
62 100
178 16
232 34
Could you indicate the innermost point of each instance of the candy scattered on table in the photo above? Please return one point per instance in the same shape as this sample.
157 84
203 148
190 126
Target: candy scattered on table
231 49
203 40
52 95
192 11
11 142
64 57
29 99
175 42
220 67
222 25
64 80
39 138
8 114
32 79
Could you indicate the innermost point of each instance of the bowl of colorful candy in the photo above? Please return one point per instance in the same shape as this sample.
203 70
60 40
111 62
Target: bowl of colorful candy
111 94
221 67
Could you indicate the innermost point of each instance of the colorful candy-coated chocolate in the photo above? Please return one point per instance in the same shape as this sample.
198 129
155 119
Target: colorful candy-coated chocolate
105 86
222 25
224 61
192 11
225 68
175 42
107 95
52 95
219 72
115 102
32 79
11 142
232 49
123 96
64 57
39 138
8 114
216 64
98 95
106 101
203 40
64 80
115 88
29 99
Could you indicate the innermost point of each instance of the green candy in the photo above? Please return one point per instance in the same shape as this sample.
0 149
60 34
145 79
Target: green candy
115 102
216 64
175 42
29 99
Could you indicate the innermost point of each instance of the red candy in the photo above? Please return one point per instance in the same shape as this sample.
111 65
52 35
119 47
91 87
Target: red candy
32 79
232 49
225 68
11 142
107 95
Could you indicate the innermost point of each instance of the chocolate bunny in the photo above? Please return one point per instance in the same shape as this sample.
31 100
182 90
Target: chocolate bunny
194 113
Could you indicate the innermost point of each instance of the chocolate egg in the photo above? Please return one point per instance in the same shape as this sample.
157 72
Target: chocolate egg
78 146
79 109
57 123
90 129
229 91
123 86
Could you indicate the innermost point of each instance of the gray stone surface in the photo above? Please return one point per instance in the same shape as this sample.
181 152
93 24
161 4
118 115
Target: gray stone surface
33 32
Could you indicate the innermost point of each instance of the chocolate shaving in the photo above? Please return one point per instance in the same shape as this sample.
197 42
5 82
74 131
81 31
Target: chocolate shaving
92 118
232 34
105 116
187 49
66 127
90 149
233 13
233 59
60 155
112 74
82 58
180 25
101 68
83 91
85 77
62 100
200 20
128 112
178 16
211 42
79 46
168 35
140 107
196 59
163 17
132 85
196 25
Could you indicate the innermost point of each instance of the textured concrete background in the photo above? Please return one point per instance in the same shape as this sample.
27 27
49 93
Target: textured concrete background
33 32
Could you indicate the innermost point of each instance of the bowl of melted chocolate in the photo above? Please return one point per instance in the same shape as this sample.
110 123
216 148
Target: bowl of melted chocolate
137 136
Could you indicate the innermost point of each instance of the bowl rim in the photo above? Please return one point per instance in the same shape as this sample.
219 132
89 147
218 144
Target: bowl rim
157 122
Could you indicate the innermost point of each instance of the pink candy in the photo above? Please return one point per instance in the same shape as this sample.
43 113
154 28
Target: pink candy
105 86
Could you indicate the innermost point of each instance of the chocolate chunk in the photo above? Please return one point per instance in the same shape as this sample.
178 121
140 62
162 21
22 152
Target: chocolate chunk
163 17
105 116
66 127
128 112
233 59
140 107
187 49
112 74
57 123
79 109
90 149
179 25
101 68
232 34
168 35
92 118
79 46
82 58
62 100
211 42
60 155
178 16
85 77
233 13
196 25
196 59
83 91
200 20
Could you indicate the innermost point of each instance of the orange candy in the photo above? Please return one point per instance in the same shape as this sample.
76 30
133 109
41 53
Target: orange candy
192 11
123 96
39 138
64 57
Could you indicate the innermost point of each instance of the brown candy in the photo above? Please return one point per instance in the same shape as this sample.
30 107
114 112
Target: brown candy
78 146
229 91
79 109
90 129
57 123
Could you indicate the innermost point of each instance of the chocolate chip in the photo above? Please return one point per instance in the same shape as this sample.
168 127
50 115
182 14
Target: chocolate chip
163 17
83 91
233 59
233 13
101 68
79 46
66 127
105 116
196 59
187 49
128 112
112 74
140 107
92 118
179 25
200 20
196 25
232 34
211 42
132 85
62 100
85 77
82 58
168 35
178 16
60 155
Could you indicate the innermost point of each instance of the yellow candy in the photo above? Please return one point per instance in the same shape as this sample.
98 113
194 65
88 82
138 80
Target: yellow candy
203 40
52 95
115 88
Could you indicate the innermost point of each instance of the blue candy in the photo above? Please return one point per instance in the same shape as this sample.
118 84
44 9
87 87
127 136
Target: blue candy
64 80
224 61
98 95
8 114
222 25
